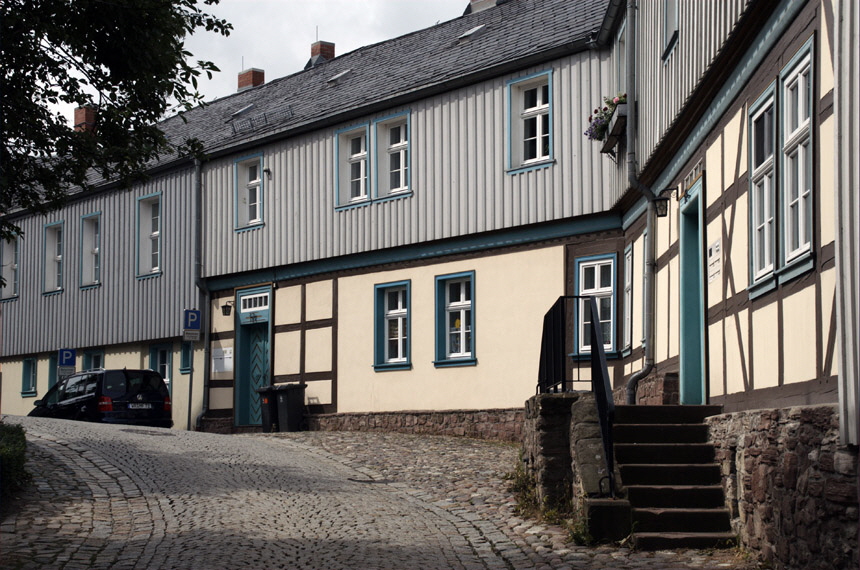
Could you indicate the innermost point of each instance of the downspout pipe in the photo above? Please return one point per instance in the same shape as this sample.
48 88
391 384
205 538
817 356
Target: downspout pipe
651 213
204 295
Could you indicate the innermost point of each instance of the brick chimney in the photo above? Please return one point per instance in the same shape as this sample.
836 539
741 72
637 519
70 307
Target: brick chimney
85 118
251 78
320 53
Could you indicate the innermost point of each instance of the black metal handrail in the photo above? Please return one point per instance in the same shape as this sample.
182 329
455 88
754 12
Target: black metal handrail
555 375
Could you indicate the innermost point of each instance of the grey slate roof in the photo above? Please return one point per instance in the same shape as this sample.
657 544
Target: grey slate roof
516 34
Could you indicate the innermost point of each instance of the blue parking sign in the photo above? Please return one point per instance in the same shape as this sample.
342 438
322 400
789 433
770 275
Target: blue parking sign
191 320
66 357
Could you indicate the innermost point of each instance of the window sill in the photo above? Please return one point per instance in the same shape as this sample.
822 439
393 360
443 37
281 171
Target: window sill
583 356
89 286
393 196
149 275
795 268
530 166
392 366
452 362
249 228
52 293
352 205
9 299
29 394
185 370
762 287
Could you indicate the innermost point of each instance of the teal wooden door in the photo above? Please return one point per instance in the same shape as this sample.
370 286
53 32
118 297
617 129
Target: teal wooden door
692 309
253 373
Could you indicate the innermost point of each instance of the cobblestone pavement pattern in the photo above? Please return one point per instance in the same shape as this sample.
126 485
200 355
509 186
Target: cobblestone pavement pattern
133 498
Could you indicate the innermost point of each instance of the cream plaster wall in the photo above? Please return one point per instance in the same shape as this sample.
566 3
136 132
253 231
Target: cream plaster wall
288 353
219 322
828 301
12 402
798 316
638 290
765 346
737 351
674 307
716 370
735 163
736 253
220 398
318 392
319 300
288 305
827 176
318 350
825 60
512 294
714 183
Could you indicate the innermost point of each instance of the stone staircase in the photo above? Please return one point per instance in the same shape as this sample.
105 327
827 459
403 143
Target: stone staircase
673 483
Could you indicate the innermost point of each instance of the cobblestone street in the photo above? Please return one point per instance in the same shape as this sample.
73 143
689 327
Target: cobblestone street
128 497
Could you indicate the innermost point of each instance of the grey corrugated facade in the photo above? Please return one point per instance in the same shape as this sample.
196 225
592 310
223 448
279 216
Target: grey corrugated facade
122 308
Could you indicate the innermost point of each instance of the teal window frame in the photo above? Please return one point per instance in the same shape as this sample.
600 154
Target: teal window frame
186 358
53 363
90 356
144 238
54 266
29 377
443 357
515 90
381 361
155 350
383 150
612 258
90 251
241 191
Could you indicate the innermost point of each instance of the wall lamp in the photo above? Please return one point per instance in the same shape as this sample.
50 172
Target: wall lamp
268 172
227 308
661 201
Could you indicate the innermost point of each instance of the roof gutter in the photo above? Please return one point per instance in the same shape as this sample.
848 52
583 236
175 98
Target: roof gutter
651 214
204 296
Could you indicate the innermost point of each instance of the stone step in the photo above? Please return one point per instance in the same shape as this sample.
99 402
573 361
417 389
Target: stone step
670 474
686 453
660 433
680 520
690 496
675 540
674 414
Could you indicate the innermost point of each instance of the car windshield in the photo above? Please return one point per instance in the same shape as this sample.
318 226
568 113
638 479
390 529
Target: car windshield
119 383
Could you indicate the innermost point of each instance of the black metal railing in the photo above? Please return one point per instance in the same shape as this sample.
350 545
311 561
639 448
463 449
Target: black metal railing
555 375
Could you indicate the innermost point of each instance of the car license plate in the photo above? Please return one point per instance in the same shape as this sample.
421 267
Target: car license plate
133 406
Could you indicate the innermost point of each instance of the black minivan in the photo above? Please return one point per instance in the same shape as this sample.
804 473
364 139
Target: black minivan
135 397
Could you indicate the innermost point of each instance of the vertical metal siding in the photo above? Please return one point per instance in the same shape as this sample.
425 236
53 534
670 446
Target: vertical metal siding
122 309
458 180
665 86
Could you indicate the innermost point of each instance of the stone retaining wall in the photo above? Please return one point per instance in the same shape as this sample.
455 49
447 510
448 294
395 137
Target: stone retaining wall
546 445
791 487
498 424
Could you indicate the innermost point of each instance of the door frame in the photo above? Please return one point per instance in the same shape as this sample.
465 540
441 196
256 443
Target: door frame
245 319
693 334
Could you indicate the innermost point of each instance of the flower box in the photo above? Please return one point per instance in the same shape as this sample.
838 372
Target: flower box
616 130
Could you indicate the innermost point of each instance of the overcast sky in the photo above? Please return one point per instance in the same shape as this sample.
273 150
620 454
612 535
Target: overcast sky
276 35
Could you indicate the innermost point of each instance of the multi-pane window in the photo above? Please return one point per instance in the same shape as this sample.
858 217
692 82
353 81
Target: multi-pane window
391 327
249 193
455 319
762 132
397 152
357 167
10 255
396 324
596 278
628 298
781 190
94 359
530 121
796 147
90 250
160 357
28 377
54 258
670 26
149 235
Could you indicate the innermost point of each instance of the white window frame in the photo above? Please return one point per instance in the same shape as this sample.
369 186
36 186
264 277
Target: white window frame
161 360
628 297
762 212
54 248
248 196
347 160
254 303
10 256
599 290
670 26
91 232
519 115
150 245
796 187
455 346
384 315
386 150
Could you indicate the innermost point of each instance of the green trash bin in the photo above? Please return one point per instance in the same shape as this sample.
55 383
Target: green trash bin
291 406
268 408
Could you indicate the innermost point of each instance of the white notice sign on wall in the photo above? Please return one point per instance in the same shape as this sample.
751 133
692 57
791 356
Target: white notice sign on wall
714 260
222 359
